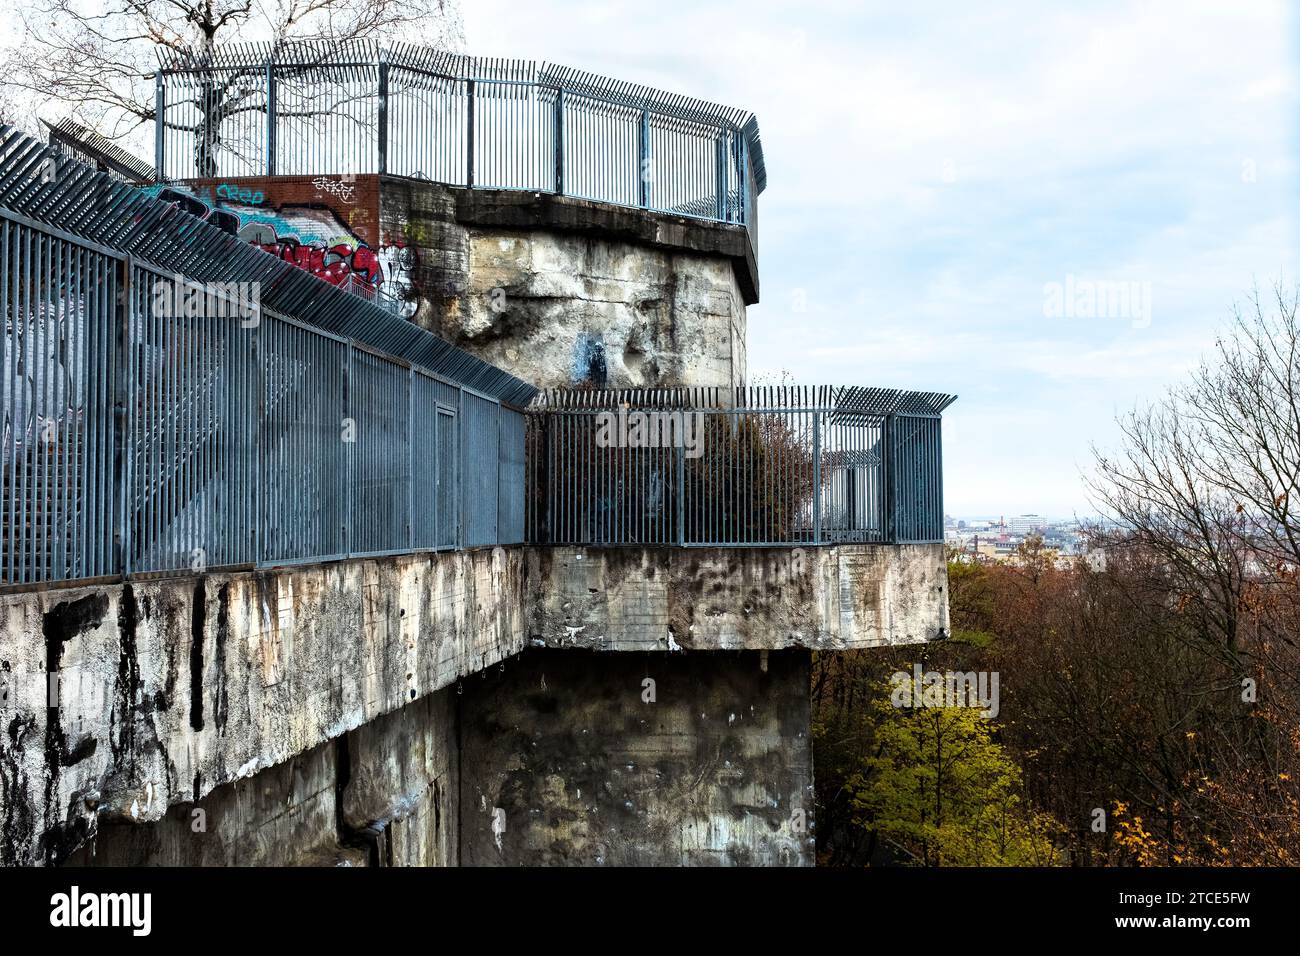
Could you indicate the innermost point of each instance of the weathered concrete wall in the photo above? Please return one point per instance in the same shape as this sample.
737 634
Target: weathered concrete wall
552 758
169 688
403 783
562 291
385 794
646 599
283 816
681 759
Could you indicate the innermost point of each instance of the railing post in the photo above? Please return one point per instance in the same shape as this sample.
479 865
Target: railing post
722 210
644 172
349 476
497 520
681 496
383 112
159 128
469 134
742 182
122 388
938 476
817 477
270 117
410 458
891 496
436 477
559 141
259 405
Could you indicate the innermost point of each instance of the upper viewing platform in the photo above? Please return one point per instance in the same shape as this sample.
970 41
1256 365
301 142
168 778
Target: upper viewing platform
302 109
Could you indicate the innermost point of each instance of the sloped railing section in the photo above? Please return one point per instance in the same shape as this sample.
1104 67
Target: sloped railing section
156 418
357 107
751 466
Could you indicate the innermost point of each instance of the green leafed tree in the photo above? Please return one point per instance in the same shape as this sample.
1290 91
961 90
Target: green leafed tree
941 791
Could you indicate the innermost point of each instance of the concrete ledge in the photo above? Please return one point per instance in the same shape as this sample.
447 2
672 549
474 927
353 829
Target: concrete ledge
645 599
169 688
526 210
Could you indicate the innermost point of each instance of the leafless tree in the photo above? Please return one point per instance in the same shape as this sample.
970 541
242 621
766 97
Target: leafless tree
92 59
1208 482
1209 477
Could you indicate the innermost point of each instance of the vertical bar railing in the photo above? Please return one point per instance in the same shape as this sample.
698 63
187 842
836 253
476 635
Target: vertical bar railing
410 459
123 420
817 475
891 482
645 163
702 168
382 126
160 117
257 369
349 425
469 135
559 141
141 439
767 477
272 110
721 211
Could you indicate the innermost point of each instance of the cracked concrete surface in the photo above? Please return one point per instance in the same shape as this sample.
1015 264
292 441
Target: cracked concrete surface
586 296
166 689
659 599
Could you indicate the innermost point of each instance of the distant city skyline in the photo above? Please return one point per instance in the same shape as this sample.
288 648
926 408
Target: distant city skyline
1008 515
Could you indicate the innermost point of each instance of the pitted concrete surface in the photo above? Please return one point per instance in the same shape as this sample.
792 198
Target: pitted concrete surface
570 758
169 688
563 292
663 599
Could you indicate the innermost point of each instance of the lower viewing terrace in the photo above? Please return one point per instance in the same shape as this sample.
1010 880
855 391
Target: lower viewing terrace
760 466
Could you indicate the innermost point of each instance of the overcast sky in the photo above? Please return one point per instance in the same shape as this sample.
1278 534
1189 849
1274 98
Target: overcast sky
932 169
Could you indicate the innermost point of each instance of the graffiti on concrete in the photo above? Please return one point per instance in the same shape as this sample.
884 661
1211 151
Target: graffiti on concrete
589 365
398 261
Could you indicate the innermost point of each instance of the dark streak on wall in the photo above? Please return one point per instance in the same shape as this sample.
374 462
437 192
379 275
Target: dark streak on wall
62 623
198 618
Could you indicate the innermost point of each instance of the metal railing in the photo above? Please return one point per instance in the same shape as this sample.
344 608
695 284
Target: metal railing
155 418
86 146
357 107
353 285
757 466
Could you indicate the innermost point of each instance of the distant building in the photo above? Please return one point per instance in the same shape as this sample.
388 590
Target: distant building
1026 524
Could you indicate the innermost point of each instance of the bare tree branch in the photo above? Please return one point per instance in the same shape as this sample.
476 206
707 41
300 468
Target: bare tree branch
93 61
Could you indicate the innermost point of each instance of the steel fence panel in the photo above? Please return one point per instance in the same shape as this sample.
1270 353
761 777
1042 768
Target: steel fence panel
448 486
511 480
378 405
749 467
334 109
56 382
302 443
155 423
479 469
